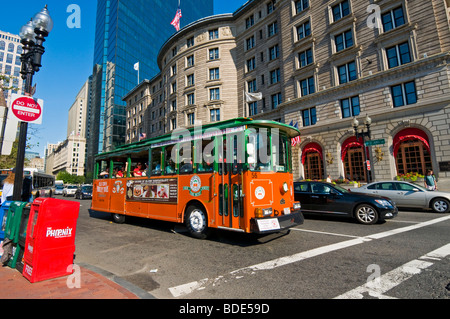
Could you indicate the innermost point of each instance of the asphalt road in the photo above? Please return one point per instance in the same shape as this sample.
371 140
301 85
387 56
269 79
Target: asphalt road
325 258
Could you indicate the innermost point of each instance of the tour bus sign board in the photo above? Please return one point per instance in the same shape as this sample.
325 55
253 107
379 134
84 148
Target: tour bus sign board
27 109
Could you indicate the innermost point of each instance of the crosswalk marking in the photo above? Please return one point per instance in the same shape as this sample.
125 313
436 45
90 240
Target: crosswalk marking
188 288
378 288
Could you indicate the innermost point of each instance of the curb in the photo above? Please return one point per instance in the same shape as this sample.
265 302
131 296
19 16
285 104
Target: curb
139 292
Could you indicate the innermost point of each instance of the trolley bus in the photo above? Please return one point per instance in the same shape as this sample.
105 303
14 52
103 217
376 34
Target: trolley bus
233 175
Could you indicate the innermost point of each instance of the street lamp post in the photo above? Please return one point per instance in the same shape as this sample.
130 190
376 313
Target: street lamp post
363 134
32 36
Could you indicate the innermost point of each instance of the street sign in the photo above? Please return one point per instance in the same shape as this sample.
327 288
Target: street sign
375 142
27 109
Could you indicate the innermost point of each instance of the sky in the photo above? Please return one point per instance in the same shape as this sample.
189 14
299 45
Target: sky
68 59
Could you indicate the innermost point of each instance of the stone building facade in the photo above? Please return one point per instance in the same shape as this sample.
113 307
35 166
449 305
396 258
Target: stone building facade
319 65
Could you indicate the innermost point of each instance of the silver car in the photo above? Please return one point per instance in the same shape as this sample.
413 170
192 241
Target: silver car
406 194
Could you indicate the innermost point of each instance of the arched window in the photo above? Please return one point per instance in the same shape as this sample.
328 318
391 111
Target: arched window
312 160
353 159
11 47
412 151
2 45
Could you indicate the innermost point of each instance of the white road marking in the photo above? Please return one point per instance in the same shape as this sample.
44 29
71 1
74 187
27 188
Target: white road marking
378 288
188 288
325 233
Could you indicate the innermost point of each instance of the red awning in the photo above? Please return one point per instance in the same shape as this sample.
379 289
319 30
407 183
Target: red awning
311 148
410 134
349 143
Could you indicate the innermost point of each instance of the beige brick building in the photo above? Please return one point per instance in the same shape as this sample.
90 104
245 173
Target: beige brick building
320 64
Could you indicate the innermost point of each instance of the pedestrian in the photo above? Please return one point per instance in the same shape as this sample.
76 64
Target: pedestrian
8 186
430 181
329 178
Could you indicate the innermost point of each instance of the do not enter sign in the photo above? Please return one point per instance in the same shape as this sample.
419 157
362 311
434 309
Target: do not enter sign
27 109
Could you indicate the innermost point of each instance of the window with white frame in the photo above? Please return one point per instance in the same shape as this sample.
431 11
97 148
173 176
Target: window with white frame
275 76
404 94
214 54
301 5
393 19
343 40
214 94
250 43
398 54
190 79
276 99
191 118
251 64
214 115
305 58
214 74
347 72
303 30
340 10
191 99
272 29
307 86
213 34
274 52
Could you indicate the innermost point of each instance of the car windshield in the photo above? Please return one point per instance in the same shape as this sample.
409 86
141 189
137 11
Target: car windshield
87 188
341 189
59 187
72 187
420 187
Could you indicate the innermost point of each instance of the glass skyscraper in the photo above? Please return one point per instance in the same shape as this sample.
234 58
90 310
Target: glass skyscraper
127 32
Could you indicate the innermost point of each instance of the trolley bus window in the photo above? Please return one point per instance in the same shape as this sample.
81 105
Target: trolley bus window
258 150
156 161
207 156
170 162
186 160
279 153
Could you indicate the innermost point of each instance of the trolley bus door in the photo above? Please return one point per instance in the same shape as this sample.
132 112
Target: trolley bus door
230 184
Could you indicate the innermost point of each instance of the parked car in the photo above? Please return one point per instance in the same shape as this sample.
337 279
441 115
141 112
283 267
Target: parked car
84 191
69 190
406 194
326 198
59 189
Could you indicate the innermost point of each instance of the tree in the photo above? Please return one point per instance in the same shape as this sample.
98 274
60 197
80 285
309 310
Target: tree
9 161
70 179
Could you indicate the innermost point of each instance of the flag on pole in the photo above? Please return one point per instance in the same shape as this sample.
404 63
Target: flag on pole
253 97
176 21
142 136
136 66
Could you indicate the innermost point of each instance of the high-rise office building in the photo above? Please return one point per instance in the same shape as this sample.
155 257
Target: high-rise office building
129 32
10 52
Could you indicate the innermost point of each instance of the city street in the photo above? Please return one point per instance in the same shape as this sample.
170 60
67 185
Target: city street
325 258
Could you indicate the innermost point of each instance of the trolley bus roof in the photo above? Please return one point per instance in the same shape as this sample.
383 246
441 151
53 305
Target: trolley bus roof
135 147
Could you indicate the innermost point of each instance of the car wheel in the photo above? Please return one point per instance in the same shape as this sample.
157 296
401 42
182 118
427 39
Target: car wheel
440 205
196 222
118 218
366 214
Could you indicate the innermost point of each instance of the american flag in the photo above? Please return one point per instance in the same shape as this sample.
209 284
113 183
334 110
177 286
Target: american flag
142 136
176 21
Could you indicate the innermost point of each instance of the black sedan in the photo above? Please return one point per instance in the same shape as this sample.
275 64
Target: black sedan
326 198
84 191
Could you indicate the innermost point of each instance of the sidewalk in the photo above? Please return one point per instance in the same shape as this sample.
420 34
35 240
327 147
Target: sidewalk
95 284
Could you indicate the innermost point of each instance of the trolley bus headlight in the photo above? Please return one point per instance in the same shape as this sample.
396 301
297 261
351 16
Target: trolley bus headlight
285 188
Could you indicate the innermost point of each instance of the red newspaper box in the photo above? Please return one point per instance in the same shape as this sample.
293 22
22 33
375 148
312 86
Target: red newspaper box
50 241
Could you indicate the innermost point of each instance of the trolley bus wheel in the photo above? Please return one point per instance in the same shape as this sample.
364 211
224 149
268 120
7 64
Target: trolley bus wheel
196 222
118 218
